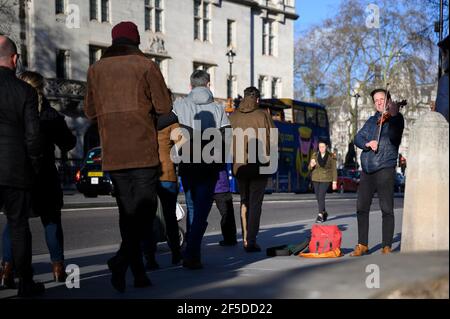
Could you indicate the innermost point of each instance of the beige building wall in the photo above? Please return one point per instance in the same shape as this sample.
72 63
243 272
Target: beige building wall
175 45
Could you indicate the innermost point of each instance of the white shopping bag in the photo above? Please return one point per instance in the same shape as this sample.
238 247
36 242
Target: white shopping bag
180 212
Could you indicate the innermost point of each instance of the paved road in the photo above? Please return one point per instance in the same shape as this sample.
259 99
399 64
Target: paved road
92 238
231 273
97 226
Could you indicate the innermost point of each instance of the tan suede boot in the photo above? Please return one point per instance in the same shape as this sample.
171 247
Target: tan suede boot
360 250
59 272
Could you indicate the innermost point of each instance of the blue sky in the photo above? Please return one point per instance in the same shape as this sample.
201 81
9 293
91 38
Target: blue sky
312 12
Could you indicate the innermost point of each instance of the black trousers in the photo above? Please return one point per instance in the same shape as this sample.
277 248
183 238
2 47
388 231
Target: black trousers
381 182
167 193
17 206
136 198
224 203
320 189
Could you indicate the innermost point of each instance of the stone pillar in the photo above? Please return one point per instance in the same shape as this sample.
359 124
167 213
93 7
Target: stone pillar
426 210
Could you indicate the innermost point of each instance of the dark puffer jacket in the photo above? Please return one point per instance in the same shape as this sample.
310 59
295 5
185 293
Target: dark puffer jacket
391 137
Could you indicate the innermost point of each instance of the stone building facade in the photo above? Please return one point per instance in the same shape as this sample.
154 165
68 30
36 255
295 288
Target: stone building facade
61 38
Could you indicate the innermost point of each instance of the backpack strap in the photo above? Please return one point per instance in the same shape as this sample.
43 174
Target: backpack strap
297 249
282 250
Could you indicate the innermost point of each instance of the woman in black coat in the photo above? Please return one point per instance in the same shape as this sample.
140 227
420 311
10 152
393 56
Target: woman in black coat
47 195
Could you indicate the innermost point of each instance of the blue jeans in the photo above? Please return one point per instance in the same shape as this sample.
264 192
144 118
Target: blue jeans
199 199
53 236
167 193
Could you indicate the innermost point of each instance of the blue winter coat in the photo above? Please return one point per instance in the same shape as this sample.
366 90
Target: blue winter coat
391 137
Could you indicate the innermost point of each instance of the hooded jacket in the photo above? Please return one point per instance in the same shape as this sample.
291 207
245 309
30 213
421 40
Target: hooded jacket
196 113
250 116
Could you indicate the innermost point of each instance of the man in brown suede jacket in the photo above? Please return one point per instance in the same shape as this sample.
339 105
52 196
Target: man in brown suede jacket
252 183
125 94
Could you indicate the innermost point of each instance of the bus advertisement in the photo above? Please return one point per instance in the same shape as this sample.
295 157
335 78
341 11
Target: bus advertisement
300 127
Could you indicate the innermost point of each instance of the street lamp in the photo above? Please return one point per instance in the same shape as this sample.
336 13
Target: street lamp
441 29
230 54
321 86
356 96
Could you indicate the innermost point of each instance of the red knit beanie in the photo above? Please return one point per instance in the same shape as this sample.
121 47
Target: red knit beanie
127 30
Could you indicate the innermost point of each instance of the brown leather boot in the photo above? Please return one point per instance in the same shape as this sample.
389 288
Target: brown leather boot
7 276
386 250
59 271
360 250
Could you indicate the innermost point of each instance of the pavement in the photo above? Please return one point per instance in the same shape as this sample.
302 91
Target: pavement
98 226
231 273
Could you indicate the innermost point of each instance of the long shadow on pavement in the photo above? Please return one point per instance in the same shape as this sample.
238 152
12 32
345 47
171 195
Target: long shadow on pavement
229 272
220 264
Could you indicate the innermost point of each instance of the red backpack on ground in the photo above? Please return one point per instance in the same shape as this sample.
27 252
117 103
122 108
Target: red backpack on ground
325 242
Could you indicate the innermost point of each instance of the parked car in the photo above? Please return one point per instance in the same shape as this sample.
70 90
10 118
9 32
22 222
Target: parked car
90 179
399 186
348 180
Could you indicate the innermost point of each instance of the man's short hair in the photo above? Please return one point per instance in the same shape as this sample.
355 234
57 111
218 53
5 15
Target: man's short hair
7 48
252 91
378 91
200 78
372 94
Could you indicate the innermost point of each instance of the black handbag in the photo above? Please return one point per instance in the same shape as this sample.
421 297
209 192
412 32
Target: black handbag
287 250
